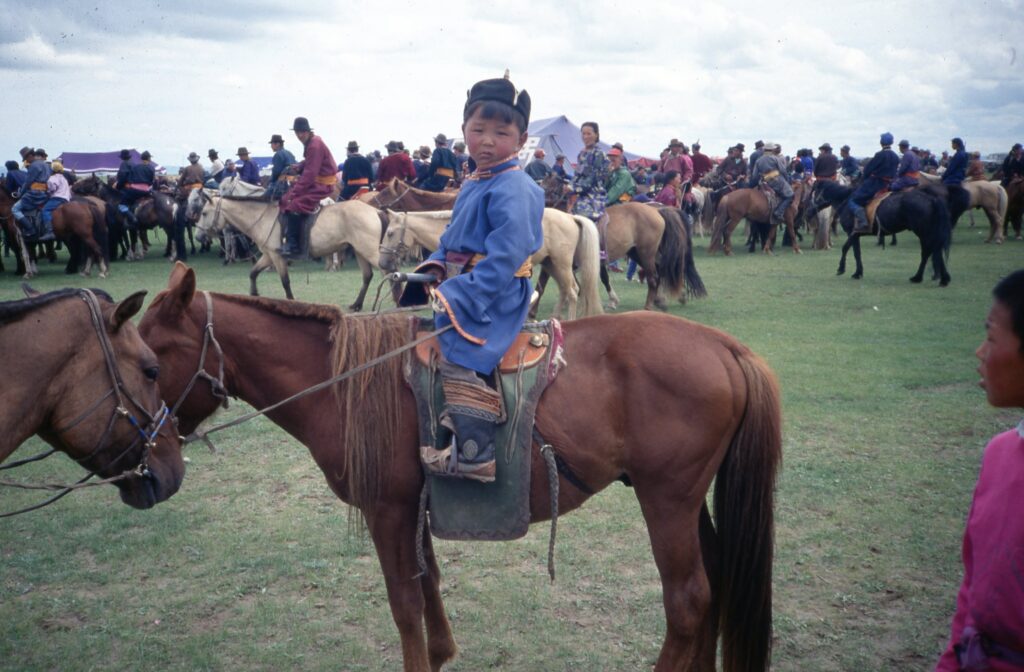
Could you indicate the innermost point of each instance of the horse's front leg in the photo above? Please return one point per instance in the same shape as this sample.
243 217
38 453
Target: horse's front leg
367 270
542 283
842 257
925 253
441 645
265 262
792 236
393 529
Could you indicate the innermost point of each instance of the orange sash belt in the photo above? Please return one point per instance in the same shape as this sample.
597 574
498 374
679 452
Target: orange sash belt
625 198
914 174
359 180
327 179
446 172
38 186
524 271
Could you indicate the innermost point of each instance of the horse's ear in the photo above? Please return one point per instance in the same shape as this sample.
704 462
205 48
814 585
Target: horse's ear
181 287
30 291
126 309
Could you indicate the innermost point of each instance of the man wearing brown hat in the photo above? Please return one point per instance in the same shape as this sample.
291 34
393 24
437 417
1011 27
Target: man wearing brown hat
442 165
318 173
356 173
827 164
282 160
33 193
248 171
216 166
396 164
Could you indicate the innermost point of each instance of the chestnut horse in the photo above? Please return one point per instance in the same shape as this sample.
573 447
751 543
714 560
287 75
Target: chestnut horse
400 196
661 403
77 223
989 196
752 204
77 374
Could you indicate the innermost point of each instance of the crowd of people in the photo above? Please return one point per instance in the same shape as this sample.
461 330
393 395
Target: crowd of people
599 179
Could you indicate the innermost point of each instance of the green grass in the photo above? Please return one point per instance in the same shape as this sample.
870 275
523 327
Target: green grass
252 565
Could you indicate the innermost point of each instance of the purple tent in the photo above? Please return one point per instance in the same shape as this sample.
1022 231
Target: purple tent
98 162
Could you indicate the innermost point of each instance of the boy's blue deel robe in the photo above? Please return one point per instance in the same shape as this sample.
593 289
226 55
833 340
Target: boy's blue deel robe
499 217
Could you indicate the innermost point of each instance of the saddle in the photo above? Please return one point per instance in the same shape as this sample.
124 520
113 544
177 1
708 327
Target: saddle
769 193
33 228
872 207
463 509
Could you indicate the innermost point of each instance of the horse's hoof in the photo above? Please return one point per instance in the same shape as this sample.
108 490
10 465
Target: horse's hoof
916 279
944 283
856 276
797 250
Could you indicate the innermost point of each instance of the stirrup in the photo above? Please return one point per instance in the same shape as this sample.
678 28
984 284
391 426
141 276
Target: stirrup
438 463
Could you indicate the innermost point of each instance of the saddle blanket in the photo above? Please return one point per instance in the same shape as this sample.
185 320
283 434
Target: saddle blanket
872 207
463 509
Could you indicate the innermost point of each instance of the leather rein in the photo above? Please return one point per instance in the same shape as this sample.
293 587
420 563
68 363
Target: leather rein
145 433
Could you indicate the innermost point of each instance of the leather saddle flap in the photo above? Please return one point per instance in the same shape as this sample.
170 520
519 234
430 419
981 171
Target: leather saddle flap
532 347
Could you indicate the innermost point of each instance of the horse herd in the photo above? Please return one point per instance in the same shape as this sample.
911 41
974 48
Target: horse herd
676 420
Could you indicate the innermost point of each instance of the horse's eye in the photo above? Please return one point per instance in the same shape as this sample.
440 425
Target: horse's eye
151 372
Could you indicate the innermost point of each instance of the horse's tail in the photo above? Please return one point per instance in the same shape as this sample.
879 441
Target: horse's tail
943 222
588 256
744 518
1004 203
671 253
694 283
99 229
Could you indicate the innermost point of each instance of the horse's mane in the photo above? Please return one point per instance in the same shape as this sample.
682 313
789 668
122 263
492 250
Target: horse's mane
327 314
833 190
12 311
369 403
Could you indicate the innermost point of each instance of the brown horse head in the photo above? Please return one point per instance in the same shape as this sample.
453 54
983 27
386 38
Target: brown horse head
87 386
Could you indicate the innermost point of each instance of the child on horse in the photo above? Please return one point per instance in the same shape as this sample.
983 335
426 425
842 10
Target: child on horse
483 270
988 626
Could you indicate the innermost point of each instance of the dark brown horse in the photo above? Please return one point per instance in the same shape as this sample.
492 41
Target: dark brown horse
402 197
77 374
633 404
78 223
752 204
1014 207
155 210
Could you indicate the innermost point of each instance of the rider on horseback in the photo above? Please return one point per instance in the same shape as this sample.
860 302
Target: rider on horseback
33 193
877 175
771 168
483 266
909 170
135 183
317 177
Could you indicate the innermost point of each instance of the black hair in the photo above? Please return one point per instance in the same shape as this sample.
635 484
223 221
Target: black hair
11 165
593 125
1010 292
670 175
492 109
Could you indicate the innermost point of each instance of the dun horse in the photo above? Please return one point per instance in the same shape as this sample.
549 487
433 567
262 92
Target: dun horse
989 196
348 223
922 211
77 374
655 237
689 404
567 239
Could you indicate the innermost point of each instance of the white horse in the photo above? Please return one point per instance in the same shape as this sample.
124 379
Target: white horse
339 224
989 196
567 238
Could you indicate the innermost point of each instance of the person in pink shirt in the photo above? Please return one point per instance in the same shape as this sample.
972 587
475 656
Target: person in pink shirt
987 632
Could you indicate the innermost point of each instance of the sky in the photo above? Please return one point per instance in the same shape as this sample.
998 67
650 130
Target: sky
181 76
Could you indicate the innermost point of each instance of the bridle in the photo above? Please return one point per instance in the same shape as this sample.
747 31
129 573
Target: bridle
381 206
146 434
217 388
401 248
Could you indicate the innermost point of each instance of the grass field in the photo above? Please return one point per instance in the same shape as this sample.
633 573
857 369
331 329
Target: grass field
252 566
